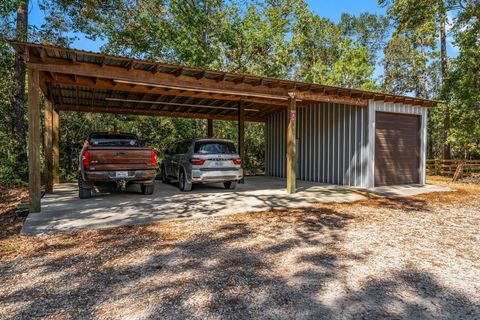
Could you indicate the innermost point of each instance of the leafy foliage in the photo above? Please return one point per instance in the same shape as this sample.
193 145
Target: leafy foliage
415 63
463 85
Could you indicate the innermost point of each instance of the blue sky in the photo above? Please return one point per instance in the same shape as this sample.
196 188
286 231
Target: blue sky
334 9
325 8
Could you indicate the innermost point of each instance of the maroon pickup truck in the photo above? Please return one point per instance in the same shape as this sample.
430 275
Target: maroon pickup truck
115 158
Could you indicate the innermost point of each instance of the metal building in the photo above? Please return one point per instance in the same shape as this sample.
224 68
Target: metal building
339 144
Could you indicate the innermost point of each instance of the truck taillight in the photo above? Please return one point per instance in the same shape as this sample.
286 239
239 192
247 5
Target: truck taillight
237 161
86 159
197 162
153 158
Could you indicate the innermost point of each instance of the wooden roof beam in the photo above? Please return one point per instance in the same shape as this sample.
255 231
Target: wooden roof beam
108 84
145 76
155 113
319 97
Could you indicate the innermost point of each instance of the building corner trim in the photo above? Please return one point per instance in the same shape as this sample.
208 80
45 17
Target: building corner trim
370 175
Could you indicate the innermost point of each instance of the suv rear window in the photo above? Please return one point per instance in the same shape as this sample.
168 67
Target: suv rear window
214 147
113 140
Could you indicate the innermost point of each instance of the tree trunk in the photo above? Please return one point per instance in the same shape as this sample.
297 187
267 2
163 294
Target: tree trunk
18 103
447 154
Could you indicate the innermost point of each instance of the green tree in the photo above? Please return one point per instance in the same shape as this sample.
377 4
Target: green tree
329 53
367 29
315 42
413 15
257 41
462 88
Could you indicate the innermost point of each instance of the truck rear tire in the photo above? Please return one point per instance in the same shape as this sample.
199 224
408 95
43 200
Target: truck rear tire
147 188
84 193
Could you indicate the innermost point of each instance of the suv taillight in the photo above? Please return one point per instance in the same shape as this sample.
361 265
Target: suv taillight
237 161
86 159
197 162
153 158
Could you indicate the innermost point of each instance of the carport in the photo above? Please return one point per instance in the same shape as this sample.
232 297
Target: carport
334 128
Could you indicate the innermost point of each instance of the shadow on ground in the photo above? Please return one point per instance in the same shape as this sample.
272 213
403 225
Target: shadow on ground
275 266
63 211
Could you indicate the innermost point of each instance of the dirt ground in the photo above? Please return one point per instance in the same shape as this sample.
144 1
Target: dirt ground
9 199
415 258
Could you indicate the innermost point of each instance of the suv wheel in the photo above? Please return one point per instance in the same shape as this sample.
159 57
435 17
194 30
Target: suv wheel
183 183
230 185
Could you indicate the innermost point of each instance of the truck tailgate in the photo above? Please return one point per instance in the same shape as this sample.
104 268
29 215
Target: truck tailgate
107 158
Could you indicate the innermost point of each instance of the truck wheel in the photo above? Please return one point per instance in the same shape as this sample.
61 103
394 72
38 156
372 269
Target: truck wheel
183 183
147 188
230 185
84 193
165 179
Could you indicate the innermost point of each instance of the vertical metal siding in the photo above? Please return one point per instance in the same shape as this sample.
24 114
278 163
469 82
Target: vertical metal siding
331 140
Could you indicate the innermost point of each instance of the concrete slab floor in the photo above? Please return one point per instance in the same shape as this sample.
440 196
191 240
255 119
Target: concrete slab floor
63 211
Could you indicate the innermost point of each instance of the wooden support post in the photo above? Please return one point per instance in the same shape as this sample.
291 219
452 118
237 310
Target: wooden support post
55 146
241 135
33 141
48 146
210 128
291 145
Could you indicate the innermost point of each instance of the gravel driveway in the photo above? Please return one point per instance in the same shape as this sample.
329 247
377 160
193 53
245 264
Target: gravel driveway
415 258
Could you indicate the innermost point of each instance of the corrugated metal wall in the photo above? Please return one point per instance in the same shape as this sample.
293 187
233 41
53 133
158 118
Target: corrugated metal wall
331 148
275 145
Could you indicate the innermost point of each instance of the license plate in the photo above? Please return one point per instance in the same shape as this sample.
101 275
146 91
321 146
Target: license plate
218 163
121 174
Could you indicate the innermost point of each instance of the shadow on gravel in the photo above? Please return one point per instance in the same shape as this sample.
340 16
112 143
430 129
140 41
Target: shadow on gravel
226 271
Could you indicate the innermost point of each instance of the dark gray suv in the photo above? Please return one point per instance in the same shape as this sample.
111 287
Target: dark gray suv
202 161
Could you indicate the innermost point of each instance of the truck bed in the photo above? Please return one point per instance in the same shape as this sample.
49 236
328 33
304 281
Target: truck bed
119 158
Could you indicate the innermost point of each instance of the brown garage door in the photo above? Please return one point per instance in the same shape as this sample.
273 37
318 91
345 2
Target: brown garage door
397 149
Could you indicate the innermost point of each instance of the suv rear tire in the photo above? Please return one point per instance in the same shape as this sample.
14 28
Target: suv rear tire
147 188
230 185
183 183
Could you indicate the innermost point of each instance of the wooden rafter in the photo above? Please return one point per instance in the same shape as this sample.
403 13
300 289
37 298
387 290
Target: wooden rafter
108 84
156 113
